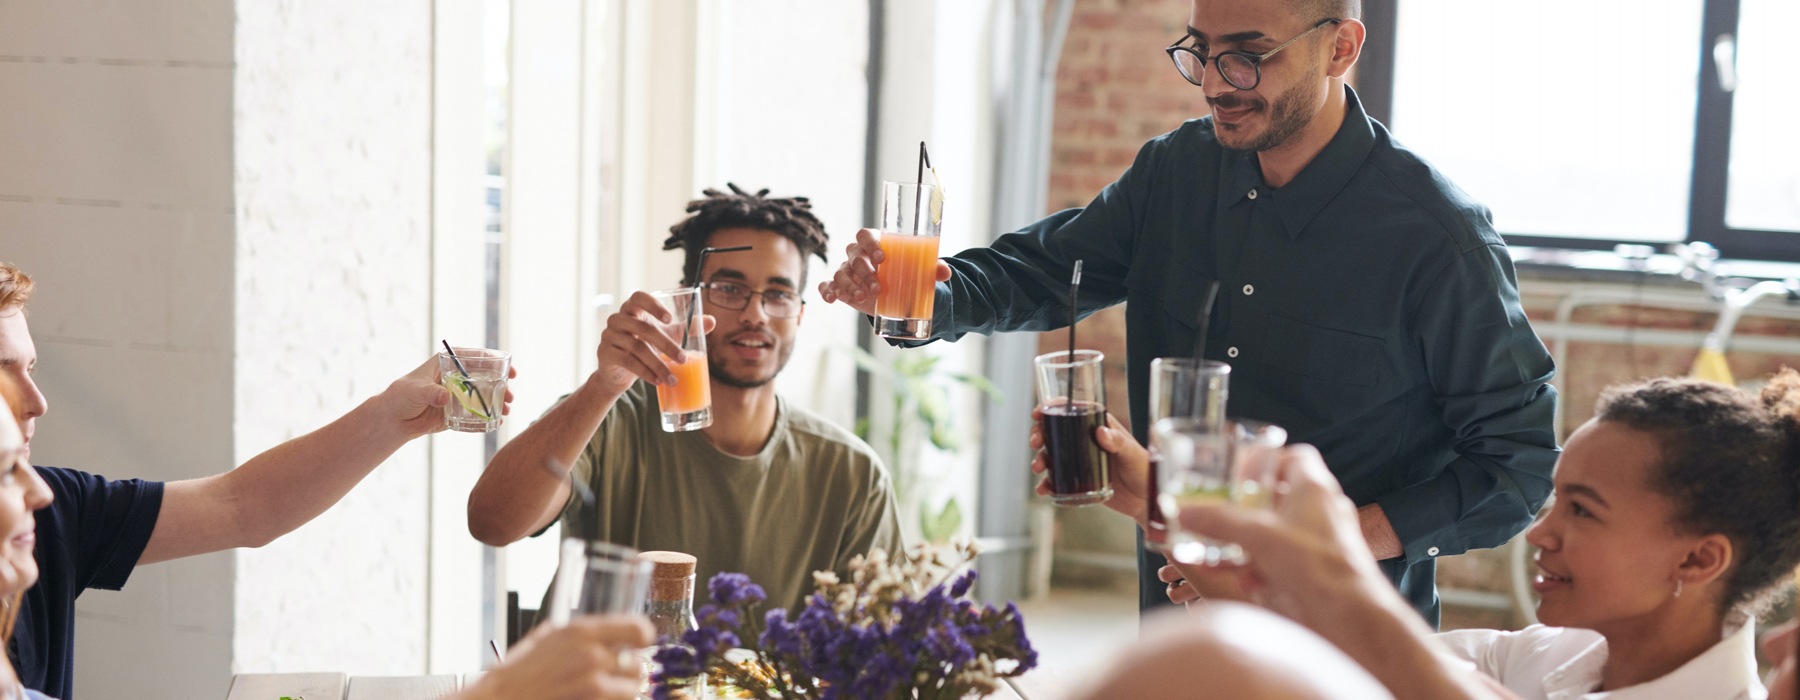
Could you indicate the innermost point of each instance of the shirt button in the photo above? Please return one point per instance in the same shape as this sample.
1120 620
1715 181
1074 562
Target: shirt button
1231 351
1431 552
1249 289
1252 193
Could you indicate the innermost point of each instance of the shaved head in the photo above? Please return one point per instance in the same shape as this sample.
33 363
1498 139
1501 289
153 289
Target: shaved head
1314 10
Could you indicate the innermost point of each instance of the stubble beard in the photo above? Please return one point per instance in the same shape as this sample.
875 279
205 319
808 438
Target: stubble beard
715 364
1288 115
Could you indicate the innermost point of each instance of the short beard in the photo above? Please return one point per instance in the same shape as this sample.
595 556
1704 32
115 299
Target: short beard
723 377
716 368
1288 115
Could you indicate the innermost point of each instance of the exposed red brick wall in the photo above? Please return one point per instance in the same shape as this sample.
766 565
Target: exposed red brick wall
1115 89
1591 367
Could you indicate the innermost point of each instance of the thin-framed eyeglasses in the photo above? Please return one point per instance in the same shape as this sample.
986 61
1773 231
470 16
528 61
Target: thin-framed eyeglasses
1241 69
777 303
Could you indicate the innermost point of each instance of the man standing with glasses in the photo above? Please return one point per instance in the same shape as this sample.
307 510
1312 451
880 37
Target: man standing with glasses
1364 302
769 489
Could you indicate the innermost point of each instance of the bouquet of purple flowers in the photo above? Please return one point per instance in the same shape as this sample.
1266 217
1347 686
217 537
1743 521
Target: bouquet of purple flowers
895 630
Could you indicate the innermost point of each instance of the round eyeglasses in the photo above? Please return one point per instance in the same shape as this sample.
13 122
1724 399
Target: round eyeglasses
776 303
1241 69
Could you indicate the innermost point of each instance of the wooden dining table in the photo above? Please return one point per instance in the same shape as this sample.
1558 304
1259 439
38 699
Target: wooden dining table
338 686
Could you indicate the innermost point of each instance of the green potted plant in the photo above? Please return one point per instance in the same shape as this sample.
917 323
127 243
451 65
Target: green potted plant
921 416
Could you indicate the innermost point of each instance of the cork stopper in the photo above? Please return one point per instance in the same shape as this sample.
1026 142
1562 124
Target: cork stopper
671 575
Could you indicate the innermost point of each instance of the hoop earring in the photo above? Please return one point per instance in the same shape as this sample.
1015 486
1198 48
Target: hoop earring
1678 588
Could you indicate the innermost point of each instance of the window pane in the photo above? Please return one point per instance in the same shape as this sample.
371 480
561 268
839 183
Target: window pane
1763 192
1564 118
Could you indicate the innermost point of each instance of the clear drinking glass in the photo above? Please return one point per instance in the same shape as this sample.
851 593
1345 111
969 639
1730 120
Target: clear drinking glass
598 578
1072 401
688 404
476 378
1181 387
1207 463
1256 452
912 215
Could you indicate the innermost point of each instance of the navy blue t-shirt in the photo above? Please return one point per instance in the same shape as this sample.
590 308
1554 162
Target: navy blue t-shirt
89 537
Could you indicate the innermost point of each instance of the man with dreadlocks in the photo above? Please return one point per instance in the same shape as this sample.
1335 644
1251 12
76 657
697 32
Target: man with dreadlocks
769 489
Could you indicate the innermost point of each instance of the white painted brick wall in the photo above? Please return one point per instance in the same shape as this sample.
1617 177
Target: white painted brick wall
332 138
115 192
226 209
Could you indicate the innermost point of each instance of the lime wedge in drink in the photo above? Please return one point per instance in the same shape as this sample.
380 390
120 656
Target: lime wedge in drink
465 394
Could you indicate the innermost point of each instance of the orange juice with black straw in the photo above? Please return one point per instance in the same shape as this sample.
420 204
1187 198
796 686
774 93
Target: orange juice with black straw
687 404
911 219
693 386
908 277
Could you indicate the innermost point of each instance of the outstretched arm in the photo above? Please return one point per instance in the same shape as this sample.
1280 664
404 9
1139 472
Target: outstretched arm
516 495
588 659
1021 281
292 483
1308 561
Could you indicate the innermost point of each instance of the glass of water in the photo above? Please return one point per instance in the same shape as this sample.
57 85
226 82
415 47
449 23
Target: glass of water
1204 463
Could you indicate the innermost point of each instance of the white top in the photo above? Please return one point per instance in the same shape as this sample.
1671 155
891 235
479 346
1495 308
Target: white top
1563 663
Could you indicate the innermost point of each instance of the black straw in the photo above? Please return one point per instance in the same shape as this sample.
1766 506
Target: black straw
467 379
688 324
555 467
919 184
1212 293
1074 289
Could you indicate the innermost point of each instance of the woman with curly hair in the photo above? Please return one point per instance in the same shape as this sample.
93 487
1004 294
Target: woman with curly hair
1675 518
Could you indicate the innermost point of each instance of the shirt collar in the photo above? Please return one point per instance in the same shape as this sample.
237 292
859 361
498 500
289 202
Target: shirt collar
1727 670
1297 202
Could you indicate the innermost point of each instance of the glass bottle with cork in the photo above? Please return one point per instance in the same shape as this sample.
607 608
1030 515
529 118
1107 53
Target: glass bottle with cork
670 607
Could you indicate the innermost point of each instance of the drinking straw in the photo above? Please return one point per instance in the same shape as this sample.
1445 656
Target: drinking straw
919 183
562 473
1212 292
466 377
497 655
1074 288
688 323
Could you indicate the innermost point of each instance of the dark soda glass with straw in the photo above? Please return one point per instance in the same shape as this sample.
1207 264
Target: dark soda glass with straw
1072 404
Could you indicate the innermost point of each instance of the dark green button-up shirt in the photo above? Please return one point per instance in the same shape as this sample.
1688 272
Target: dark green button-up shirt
1367 306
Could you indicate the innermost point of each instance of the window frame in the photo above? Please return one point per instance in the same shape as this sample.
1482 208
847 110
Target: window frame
1710 173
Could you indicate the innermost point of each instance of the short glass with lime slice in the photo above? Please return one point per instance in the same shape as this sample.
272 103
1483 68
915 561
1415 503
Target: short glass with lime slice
1208 462
476 378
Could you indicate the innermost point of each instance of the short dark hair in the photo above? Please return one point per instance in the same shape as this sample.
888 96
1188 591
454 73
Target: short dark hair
1731 464
1316 10
791 217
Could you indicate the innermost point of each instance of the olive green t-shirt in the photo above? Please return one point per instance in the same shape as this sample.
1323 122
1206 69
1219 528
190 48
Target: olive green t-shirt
814 497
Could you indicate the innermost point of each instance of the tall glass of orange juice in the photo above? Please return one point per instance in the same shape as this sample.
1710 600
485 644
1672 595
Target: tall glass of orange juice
688 404
911 216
